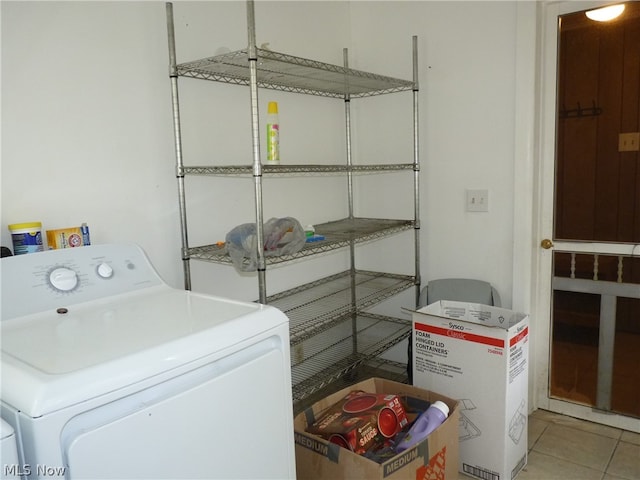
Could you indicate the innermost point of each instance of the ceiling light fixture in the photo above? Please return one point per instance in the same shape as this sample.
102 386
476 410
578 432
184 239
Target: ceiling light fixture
605 14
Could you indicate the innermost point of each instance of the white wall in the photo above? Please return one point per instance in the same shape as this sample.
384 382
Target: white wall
467 107
86 129
87 134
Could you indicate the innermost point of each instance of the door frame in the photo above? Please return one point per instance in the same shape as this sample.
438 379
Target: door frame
544 190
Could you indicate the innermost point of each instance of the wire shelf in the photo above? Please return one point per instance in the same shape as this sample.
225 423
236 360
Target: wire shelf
289 73
337 351
377 367
316 306
338 234
278 170
328 339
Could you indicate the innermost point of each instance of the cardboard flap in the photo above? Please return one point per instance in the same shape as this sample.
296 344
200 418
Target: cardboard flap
474 313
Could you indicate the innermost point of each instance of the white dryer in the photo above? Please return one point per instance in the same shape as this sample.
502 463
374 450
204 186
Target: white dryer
107 372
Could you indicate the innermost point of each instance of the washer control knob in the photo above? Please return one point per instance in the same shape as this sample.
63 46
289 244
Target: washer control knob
105 270
63 279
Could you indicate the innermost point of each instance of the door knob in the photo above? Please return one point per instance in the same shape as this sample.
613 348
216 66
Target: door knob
546 244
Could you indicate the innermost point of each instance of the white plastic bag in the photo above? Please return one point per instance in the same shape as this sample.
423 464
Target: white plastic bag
282 236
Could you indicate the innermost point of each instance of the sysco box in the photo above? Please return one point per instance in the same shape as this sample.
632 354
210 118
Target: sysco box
479 355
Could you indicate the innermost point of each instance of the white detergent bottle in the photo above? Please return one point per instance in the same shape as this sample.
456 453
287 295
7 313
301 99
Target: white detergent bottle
273 134
426 423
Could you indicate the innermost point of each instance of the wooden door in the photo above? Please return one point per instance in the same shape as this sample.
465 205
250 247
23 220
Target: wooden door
593 213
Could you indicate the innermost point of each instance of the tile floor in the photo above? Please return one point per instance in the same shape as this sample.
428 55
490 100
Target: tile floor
564 448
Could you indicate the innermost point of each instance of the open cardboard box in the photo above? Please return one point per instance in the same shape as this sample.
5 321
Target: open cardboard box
435 458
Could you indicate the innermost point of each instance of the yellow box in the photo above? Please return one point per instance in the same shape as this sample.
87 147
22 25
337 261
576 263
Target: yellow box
64 238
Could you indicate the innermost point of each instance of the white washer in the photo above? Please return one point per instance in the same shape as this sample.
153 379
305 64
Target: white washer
107 372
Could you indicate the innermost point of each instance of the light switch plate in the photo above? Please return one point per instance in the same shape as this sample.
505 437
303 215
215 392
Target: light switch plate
477 200
629 142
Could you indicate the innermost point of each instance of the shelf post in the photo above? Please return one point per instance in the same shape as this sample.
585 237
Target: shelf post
416 168
352 246
255 135
173 75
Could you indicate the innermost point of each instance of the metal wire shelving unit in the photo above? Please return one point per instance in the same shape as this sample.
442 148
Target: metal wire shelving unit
332 335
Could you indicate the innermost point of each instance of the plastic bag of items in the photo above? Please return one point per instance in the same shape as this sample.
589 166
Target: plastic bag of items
282 236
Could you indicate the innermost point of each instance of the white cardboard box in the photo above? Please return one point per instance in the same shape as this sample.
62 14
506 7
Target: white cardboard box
478 355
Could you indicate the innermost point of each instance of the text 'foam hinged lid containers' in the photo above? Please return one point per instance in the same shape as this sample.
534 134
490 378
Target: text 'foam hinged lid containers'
434 458
479 355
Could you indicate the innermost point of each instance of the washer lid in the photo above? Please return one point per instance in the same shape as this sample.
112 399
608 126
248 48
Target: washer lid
51 360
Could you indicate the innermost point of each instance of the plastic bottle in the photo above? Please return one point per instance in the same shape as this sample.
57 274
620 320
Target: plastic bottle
86 239
26 237
426 423
273 134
